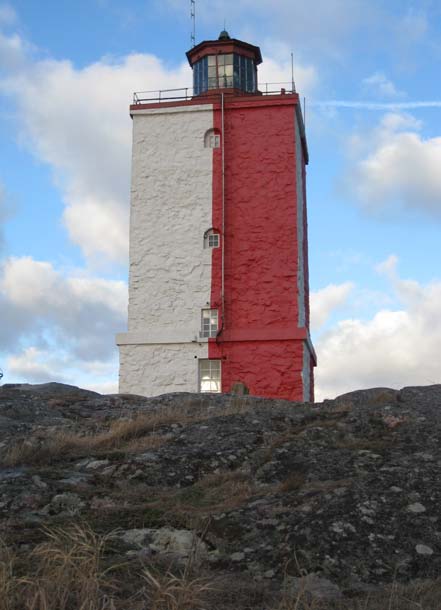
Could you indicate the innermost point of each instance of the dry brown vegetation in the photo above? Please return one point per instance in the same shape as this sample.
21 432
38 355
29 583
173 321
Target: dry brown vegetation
128 435
212 494
72 445
73 570
171 592
294 481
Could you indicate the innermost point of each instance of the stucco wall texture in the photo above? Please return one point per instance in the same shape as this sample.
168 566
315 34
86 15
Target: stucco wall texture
265 248
170 273
154 369
263 339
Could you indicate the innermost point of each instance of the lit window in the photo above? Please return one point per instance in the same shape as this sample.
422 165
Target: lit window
212 139
209 375
225 71
211 239
220 71
209 326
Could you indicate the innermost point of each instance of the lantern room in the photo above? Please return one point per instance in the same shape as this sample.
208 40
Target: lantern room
226 65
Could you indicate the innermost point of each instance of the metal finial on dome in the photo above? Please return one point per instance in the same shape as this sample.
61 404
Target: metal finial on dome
224 35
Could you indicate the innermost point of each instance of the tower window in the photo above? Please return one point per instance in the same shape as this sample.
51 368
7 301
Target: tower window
209 375
212 139
225 71
220 71
209 323
211 239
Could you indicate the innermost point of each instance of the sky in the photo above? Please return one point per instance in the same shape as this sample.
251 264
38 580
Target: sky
369 73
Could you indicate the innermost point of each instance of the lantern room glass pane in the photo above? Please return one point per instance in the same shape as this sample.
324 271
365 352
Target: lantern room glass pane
200 82
224 71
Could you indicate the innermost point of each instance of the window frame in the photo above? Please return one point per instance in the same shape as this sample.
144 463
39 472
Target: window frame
209 323
213 240
212 139
214 375
209 236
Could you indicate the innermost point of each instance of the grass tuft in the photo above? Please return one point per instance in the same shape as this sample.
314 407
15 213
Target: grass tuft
171 592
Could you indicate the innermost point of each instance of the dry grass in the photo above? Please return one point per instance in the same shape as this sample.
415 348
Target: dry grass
293 482
63 573
74 446
120 436
366 444
211 494
417 596
171 592
8 580
68 572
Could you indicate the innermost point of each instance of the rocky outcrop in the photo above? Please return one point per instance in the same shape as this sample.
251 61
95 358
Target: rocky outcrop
345 492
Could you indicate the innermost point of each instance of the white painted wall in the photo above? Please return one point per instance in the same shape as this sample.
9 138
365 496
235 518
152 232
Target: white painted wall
170 272
153 369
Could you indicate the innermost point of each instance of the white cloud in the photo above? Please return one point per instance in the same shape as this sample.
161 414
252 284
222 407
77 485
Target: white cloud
106 387
34 366
388 267
394 348
396 167
77 121
5 210
8 16
379 85
12 52
76 314
323 302
276 68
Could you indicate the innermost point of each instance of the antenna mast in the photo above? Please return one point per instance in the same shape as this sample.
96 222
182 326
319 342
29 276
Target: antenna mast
293 85
193 22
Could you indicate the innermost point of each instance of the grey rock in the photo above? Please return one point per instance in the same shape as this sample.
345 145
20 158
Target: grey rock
179 542
67 502
416 507
313 587
96 464
239 556
349 485
422 549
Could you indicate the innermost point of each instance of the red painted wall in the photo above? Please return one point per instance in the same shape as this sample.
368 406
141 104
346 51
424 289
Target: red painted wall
261 250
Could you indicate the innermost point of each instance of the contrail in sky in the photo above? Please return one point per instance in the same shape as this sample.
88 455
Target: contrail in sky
376 105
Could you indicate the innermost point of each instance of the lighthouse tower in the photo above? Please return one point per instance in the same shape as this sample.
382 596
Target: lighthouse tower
218 288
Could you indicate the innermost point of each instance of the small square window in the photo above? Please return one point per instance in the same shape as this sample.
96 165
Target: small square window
209 323
209 375
212 139
213 240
